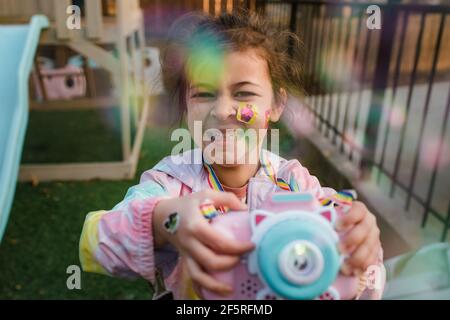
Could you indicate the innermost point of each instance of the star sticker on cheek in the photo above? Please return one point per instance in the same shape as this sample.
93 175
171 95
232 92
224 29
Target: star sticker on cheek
247 113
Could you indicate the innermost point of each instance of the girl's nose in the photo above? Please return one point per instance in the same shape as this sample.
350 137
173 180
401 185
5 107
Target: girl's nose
223 109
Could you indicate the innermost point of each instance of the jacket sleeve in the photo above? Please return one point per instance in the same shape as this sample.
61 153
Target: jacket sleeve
119 242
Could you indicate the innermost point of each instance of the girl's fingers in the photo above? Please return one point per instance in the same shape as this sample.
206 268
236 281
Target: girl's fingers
355 236
205 280
360 259
220 242
198 290
374 257
353 216
220 198
210 260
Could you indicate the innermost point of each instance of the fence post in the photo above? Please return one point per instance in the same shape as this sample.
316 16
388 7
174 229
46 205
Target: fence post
389 15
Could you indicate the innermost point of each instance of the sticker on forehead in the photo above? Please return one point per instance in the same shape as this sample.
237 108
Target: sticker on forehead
246 113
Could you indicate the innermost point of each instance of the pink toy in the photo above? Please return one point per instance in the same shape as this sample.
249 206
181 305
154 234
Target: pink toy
63 83
296 254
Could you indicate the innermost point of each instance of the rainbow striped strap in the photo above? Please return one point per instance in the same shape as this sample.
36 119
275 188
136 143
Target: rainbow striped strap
214 184
343 197
208 210
268 169
270 172
212 178
283 185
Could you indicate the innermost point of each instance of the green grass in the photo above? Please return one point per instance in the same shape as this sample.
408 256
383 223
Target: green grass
72 136
42 241
41 238
45 223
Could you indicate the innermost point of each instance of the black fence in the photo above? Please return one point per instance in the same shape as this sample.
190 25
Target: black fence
348 65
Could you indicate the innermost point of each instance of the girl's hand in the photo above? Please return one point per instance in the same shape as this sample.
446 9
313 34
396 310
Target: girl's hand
361 240
202 247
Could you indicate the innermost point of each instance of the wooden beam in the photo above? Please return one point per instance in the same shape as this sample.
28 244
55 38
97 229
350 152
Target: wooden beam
109 34
50 37
88 171
135 90
134 159
144 88
76 171
252 5
124 84
37 69
46 7
90 80
101 57
94 19
73 104
61 56
217 4
29 7
229 6
60 7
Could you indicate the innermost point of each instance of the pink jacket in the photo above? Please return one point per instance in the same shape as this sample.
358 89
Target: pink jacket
119 242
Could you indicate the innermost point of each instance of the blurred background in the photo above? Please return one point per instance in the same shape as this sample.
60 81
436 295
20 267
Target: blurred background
375 118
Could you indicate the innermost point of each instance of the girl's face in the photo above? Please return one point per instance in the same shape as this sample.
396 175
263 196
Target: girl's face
223 98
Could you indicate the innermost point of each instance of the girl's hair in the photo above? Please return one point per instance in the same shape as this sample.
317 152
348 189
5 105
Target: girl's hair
235 31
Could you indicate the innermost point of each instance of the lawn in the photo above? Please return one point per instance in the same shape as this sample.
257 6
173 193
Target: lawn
41 238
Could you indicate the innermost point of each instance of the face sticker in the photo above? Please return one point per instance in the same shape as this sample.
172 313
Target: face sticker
246 113
171 223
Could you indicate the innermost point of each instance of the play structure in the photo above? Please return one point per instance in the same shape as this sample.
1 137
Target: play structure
111 38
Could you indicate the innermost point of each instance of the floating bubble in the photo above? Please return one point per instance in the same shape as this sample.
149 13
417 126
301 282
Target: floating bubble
430 153
397 117
338 72
205 60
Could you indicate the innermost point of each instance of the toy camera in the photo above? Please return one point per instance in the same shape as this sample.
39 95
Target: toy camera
295 255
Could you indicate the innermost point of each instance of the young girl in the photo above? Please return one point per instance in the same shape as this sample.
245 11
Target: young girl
228 73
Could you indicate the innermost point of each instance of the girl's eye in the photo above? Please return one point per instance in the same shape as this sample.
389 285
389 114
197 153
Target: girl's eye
203 95
241 94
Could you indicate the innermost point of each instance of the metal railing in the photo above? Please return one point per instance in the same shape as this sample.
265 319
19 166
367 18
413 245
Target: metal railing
367 87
